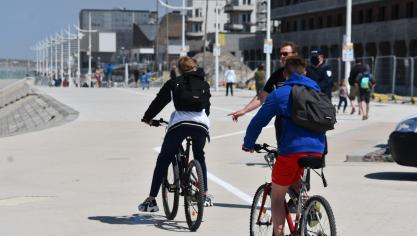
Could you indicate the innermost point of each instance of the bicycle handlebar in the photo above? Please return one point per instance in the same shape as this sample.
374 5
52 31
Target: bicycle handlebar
156 123
259 147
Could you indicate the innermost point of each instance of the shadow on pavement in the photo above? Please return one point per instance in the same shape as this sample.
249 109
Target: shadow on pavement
158 221
399 176
228 205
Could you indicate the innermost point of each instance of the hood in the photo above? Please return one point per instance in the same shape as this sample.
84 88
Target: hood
198 74
302 80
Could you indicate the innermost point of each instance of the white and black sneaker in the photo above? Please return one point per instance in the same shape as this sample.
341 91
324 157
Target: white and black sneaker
208 201
149 205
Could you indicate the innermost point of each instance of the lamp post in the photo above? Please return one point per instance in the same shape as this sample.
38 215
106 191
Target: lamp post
216 50
183 9
268 38
348 34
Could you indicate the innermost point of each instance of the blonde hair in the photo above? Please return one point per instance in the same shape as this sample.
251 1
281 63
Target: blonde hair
186 64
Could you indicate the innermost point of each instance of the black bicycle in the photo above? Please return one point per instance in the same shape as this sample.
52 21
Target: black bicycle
184 177
313 215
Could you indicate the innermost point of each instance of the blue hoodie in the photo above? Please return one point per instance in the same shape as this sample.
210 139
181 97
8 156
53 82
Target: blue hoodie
293 139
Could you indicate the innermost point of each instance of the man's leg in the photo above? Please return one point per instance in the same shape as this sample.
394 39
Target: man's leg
231 89
278 208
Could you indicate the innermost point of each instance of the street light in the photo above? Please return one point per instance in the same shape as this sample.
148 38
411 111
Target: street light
183 9
89 31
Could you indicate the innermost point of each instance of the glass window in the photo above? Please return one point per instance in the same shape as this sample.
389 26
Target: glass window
410 9
408 125
369 15
395 11
381 14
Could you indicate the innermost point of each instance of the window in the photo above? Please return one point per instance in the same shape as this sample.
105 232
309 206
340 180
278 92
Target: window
303 24
248 2
248 17
381 14
395 12
295 26
329 21
369 15
410 9
339 19
244 18
311 23
320 24
360 17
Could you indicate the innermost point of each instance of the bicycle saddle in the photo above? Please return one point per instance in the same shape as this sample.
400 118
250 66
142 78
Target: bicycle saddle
311 162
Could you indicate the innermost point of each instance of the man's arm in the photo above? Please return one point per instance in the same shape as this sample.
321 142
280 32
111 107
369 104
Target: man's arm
268 110
256 102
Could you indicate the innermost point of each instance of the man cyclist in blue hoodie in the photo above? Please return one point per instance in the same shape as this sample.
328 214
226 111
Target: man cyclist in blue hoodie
294 142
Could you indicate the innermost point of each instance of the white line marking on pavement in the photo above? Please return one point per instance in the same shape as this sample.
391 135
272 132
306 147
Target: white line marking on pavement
235 133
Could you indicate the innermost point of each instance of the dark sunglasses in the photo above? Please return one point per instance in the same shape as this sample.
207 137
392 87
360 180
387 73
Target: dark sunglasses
285 54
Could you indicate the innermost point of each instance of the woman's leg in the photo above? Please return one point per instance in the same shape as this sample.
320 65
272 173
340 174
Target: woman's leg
199 141
172 142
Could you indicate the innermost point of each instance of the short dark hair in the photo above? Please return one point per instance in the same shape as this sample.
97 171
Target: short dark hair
295 64
291 44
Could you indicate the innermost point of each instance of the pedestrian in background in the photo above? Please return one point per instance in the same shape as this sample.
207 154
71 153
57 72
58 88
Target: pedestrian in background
173 72
354 89
136 77
230 77
145 79
259 79
342 96
320 72
365 82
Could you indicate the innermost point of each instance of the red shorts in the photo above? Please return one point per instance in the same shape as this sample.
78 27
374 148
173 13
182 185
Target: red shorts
286 170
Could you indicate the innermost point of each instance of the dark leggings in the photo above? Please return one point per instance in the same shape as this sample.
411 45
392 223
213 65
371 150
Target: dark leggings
229 85
172 142
342 100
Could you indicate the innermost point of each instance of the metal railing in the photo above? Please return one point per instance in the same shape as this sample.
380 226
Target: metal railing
394 75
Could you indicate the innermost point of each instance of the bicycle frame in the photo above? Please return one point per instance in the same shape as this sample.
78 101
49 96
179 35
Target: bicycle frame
182 161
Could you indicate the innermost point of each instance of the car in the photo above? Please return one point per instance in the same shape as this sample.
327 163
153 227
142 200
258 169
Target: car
403 142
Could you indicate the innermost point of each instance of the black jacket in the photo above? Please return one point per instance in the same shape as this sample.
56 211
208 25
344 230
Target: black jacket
165 94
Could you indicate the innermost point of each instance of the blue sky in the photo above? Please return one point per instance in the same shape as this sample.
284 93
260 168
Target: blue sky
24 22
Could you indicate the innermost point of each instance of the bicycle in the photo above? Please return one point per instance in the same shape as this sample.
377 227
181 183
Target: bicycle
313 217
185 178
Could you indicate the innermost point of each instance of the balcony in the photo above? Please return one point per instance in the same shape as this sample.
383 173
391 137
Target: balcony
233 27
194 19
238 8
194 34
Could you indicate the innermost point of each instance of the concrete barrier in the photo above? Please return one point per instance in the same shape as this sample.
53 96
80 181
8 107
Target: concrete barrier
14 92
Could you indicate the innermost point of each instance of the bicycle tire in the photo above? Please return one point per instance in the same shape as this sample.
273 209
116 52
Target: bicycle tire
256 229
171 191
194 195
318 218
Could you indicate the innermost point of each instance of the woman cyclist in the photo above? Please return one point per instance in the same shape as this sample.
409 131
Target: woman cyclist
190 119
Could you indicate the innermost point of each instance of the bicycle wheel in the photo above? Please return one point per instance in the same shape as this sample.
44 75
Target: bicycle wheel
171 191
318 218
194 195
260 221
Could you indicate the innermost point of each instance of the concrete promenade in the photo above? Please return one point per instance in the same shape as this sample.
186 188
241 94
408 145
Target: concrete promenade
86 177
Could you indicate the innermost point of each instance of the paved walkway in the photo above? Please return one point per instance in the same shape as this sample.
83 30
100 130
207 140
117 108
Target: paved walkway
86 177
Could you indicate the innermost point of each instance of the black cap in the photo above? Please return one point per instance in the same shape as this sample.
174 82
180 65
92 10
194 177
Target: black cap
316 52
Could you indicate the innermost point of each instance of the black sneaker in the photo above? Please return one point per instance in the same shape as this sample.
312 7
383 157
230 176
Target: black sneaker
148 206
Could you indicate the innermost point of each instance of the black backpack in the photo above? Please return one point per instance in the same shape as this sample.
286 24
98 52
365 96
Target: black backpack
311 109
191 94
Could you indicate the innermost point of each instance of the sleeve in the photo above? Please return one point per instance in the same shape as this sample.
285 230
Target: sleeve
162 99
268 110
270 83
207 108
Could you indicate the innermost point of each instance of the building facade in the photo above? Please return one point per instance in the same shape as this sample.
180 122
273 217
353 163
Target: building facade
383 34
119 21
196 18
